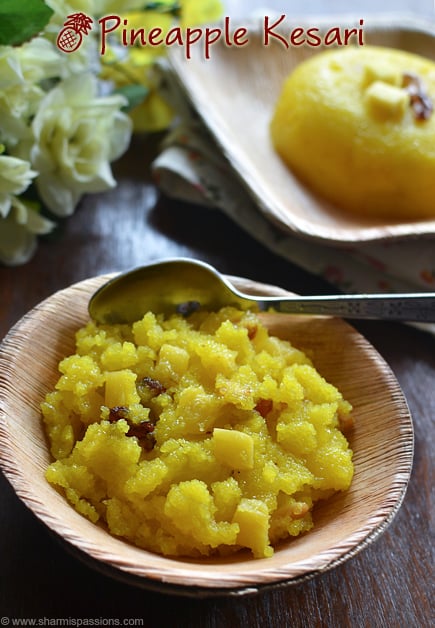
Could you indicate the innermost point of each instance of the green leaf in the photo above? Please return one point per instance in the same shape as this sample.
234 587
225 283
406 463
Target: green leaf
163 7
22 20
135 94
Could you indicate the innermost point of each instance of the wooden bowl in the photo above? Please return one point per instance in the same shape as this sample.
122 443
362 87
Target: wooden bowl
235 92
382 440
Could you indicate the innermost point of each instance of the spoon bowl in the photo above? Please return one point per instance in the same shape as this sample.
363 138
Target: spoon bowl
165 287
181 285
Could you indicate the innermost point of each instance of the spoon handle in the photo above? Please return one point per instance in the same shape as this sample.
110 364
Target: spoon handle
419 307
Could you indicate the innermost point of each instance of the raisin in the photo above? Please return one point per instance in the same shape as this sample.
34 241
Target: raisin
188 307
346 421
252 330
117 413
141 430
264 406
154 385
421 104
144 433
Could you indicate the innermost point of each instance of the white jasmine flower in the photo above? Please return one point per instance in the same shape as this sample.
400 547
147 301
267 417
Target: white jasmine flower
31 62
13 102
10 69
19 223
15 177
39 59
19 231
21 70
17 106
76 136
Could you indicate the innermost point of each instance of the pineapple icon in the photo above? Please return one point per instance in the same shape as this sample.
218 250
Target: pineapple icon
71 35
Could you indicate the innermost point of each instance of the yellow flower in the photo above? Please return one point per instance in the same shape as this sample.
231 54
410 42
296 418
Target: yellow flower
153 114
194 13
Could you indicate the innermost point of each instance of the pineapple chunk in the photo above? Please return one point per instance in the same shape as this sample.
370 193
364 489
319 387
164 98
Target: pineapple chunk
385 72
233 448
385 100
252 516
172 363
121 389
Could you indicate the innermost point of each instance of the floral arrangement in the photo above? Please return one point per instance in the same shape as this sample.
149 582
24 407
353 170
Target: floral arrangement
65 117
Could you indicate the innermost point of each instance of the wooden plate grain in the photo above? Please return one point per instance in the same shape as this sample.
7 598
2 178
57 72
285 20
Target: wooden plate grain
235 92
382 440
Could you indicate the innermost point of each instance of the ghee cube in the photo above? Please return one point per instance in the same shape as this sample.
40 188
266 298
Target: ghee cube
121 389
252 516
233 448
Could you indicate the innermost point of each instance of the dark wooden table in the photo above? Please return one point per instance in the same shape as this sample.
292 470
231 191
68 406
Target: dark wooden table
388 584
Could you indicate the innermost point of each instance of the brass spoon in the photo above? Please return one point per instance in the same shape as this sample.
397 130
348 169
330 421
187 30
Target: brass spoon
184 285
